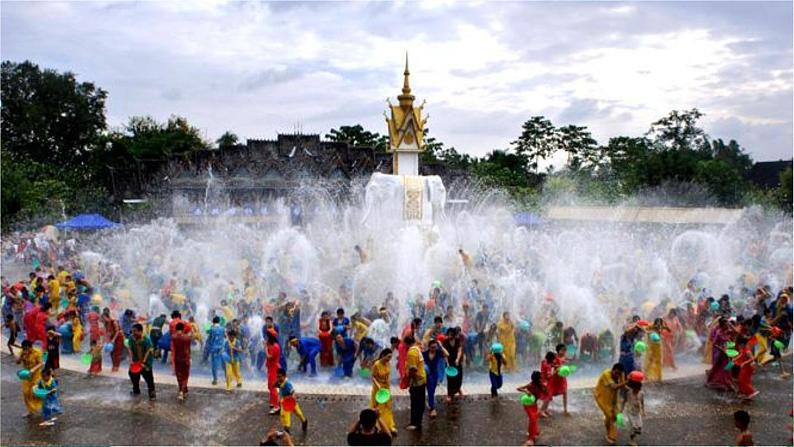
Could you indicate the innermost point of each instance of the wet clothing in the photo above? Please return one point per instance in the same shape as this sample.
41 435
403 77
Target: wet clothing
627 353
30 361
435 369
606 397
381 377
653 359
308 349
347 355
50 405
273 364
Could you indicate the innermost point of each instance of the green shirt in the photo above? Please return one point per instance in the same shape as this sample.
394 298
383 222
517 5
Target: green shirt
139 349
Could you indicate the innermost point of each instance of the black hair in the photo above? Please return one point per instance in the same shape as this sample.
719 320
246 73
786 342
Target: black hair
742 419
138 326
216 320
271 338
417 322
617 367
340 310
384 353
438 320
535 378
635 385
9 317
281 372
292 337
180 326
432 341
559 347
394 340
550 356
27 344
368 418
176 314
409 339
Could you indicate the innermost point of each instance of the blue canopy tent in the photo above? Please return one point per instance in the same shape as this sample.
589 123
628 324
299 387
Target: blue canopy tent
87 222
527 219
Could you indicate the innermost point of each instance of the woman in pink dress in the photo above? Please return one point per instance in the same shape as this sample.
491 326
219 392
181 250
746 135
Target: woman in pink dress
718 377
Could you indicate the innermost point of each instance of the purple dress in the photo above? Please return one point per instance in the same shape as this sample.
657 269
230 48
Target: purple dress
718 377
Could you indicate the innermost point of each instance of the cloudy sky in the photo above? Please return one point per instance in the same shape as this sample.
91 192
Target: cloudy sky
484 68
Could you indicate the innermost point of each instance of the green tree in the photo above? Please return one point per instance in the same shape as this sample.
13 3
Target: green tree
227 139
784 191
679 131
356 136
580 145
500 168
51 127
47 115
538 140
147 138
436 151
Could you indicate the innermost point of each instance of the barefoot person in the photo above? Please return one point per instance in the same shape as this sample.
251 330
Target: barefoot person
181 342
30 358
605 394
381 379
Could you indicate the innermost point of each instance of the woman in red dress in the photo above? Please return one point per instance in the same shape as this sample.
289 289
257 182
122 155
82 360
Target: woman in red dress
326 340
116 336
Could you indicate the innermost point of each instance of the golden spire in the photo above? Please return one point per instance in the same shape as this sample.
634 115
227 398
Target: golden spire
406 99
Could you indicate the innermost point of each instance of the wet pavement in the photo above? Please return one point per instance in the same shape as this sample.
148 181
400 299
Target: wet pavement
100 411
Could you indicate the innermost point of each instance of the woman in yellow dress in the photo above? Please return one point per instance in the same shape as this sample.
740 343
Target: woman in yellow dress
506 334
653 359
31 359
381 379
77 337
605 394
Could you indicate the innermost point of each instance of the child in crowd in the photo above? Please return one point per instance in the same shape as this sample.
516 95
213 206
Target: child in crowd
50 406
96 359
745 362
558 385
13 330
234 351
495 364
53 349
634 399
547 373
742 420
536 389
286 393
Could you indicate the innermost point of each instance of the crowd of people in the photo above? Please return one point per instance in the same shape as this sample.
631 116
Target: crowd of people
59 309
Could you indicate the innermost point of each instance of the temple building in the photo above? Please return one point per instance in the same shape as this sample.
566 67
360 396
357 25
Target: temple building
244 180
406 130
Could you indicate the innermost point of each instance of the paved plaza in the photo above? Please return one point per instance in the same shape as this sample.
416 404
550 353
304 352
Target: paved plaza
100 411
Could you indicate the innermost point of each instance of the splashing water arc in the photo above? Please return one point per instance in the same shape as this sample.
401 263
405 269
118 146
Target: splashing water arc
579 273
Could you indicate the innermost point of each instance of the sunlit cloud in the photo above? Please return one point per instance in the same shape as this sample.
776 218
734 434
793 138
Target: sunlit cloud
484 68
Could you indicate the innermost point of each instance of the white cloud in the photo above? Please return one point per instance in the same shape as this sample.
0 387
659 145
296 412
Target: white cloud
257 68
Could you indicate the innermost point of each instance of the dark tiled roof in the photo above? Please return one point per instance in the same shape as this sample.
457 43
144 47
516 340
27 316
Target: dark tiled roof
766 174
